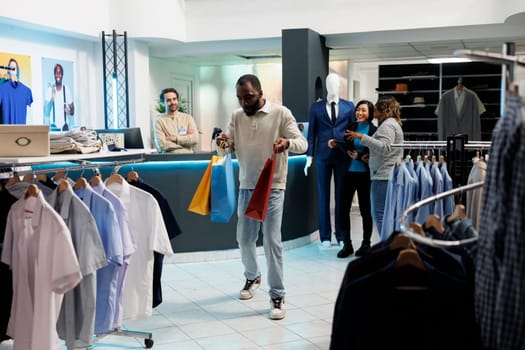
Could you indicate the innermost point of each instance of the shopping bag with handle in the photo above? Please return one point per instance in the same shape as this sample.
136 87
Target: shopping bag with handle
200 203
223 191
258 204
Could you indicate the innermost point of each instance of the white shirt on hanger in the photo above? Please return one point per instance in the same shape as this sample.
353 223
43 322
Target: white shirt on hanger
39 250
151 235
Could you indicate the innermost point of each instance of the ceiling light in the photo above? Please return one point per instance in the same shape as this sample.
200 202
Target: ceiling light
449 60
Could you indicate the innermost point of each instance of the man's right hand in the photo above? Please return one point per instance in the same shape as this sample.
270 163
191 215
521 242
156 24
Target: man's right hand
223 141
307 165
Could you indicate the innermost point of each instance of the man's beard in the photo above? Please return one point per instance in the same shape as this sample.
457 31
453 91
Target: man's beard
251 109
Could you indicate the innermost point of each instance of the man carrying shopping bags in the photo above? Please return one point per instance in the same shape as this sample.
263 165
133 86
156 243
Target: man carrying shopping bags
258 129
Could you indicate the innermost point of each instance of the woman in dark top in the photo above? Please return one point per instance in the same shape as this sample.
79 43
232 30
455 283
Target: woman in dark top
357 178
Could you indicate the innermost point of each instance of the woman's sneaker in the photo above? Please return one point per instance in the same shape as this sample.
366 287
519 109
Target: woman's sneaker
277 310
248 291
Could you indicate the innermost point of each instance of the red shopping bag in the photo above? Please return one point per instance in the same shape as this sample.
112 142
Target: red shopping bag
258 204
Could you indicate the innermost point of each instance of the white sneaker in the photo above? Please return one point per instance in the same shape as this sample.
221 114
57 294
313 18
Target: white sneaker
248 291
326 244
277 310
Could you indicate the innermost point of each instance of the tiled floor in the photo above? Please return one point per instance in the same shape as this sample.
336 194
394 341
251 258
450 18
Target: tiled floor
201 308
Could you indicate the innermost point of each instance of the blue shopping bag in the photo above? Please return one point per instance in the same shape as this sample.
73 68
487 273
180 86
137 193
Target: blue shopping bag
223 191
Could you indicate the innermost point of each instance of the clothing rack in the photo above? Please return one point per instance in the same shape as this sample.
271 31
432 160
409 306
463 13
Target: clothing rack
77 165
491 57
405 227
82 164
456 149
477 145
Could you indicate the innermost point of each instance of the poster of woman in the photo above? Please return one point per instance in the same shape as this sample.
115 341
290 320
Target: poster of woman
59 107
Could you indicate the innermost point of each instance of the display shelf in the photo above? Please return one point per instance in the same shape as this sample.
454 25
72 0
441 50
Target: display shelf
56 158
425 83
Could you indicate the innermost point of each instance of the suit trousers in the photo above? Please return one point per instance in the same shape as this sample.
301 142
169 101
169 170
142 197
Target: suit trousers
333 165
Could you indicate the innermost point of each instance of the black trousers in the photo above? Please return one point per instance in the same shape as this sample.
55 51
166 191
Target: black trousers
352 182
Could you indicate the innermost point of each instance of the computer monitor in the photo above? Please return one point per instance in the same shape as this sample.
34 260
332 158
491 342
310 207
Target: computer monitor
132 136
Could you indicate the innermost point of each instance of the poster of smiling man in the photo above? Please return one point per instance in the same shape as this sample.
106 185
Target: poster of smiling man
59 107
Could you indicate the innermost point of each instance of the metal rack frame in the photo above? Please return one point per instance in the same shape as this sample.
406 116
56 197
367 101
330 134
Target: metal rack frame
405 227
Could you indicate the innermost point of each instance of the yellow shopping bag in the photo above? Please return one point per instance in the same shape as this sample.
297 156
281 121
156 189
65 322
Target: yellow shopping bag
200 203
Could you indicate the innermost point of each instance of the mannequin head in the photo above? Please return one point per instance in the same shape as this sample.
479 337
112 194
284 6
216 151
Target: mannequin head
332 86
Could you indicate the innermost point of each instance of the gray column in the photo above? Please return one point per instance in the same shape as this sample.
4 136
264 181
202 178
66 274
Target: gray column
305 67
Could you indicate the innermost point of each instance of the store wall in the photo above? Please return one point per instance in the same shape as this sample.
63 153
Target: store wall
87 71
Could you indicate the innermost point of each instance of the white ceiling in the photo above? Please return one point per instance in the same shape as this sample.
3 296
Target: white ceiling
396 45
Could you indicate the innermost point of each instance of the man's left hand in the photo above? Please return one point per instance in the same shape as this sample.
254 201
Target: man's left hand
280 145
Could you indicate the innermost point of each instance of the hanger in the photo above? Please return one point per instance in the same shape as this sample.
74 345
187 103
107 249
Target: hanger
401 241
410 257
64 184
32 191
28 178
459 213
95 180
59 175
13 180
434 222
80 183
416 228
114 178
460 86
132 176
41 177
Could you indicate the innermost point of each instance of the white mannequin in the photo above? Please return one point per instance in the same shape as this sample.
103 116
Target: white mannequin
332 88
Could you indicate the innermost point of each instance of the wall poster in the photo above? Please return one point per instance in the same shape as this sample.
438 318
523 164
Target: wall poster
15 88
58 95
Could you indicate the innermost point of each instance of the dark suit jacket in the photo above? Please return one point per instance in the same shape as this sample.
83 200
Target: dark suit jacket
321 129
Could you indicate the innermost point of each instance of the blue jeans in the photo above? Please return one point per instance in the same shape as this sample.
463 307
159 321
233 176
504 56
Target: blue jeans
377 201
248 232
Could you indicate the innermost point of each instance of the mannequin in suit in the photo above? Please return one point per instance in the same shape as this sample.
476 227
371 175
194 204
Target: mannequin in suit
329 162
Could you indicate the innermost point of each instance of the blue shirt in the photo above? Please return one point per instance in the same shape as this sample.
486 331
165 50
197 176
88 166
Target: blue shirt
14 99
448 202
425 191
107 277
357 165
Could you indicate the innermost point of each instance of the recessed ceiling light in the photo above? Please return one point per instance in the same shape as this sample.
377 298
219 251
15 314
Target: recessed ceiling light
449 60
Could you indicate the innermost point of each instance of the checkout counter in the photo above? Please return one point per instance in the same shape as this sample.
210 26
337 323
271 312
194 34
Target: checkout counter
178 175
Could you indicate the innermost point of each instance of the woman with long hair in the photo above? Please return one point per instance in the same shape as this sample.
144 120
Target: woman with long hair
382 156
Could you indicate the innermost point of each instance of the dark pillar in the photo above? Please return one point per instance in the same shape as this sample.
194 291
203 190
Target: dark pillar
305 67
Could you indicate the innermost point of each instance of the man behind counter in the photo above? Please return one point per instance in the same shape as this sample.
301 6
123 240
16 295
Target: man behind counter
175 132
